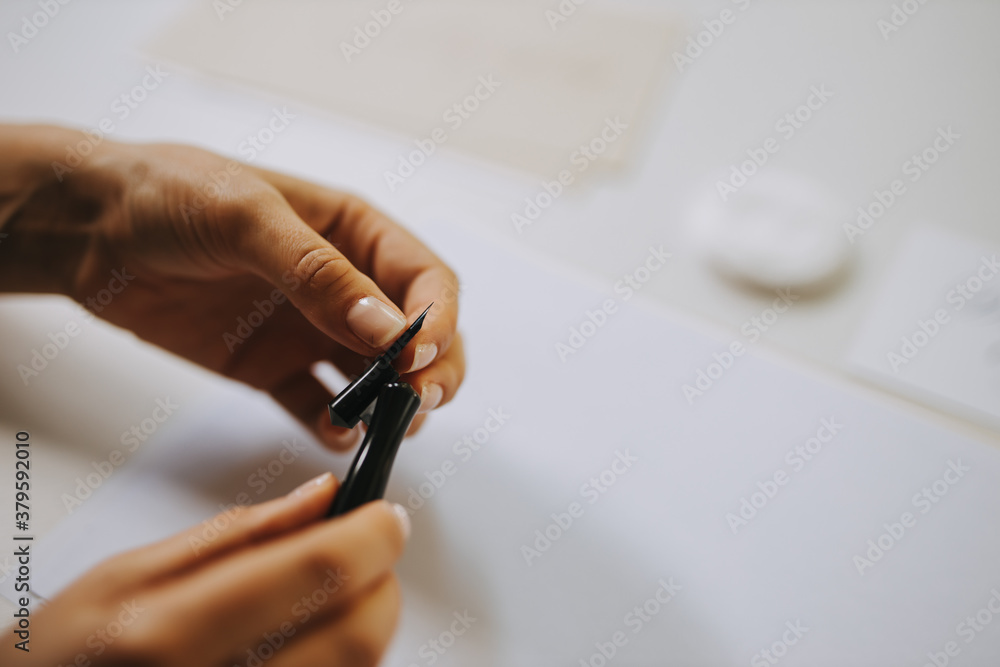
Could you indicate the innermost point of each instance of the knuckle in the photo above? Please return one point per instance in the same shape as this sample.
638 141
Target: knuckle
357 208
242 208
115 573
363 648
344 209
319 562
322 269
232 214
235 222
149 645
137 648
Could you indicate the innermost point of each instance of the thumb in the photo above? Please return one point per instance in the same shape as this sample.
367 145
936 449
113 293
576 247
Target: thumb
321 282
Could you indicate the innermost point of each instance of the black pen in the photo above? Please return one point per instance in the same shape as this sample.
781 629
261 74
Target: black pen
388 406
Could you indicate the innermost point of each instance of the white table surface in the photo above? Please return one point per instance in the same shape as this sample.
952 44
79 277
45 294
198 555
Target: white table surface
890 97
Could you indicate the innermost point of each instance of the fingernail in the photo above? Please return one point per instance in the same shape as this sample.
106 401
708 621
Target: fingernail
423 356
430 397
404 519
312 485
375 322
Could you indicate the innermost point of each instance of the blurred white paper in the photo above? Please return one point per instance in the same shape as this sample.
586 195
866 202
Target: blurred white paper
649 550
551 89
933 331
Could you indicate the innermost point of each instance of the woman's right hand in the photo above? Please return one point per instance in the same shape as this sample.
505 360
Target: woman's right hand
272 583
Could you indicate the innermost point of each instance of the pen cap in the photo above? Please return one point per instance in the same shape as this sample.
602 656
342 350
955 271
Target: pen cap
347 407
369 474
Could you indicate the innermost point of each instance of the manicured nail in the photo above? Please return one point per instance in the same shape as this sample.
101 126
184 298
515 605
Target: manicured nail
375 322
404 519
430 397
423 356
312 485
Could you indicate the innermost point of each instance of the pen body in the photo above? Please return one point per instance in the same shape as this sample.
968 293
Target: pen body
369 474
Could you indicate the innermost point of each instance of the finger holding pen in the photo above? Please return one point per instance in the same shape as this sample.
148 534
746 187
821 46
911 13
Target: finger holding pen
275 572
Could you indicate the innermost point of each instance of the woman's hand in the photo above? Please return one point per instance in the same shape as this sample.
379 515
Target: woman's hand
270 584
198 254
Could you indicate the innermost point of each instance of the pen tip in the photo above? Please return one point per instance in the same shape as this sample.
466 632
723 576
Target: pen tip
407 336
419 322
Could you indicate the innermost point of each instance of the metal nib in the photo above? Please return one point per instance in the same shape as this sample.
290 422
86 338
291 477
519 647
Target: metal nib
406 336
